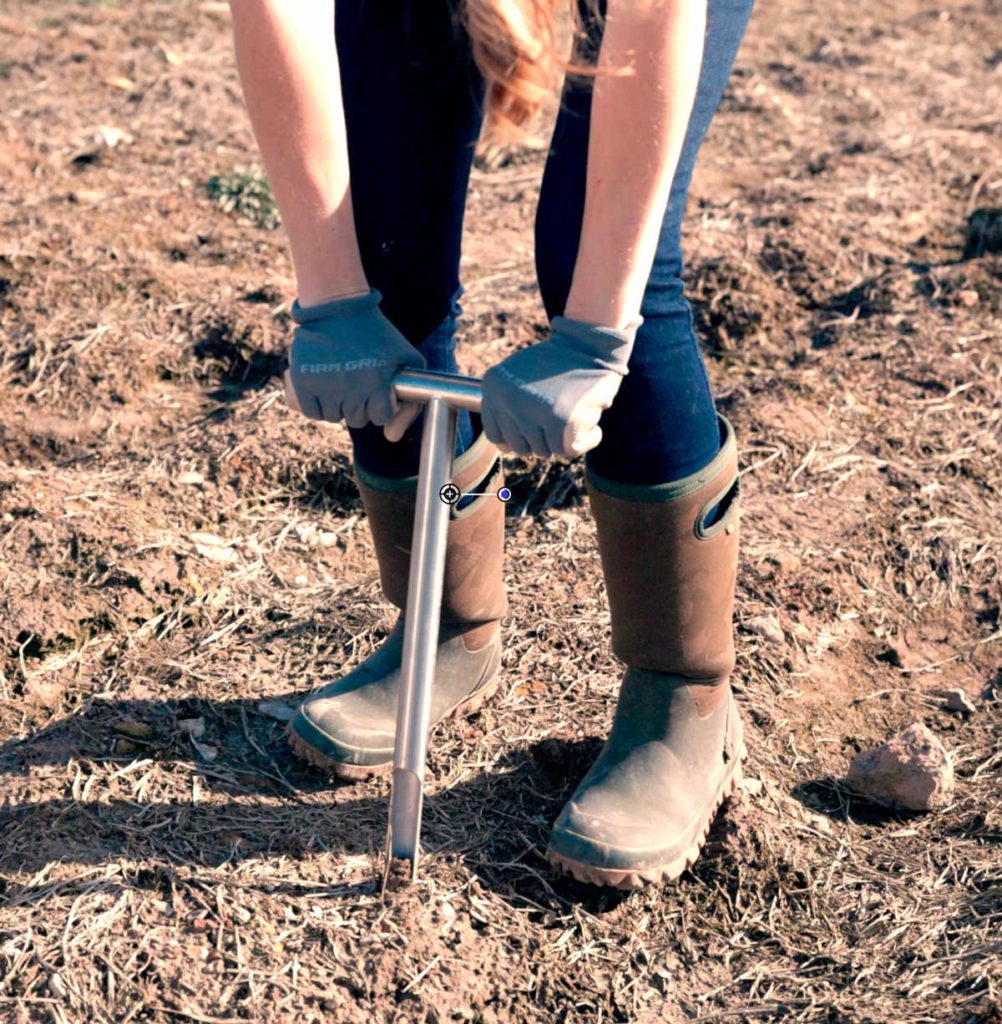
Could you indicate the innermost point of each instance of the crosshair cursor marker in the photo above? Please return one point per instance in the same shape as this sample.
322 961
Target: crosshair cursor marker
450 493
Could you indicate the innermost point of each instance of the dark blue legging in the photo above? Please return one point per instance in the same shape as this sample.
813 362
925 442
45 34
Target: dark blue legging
412 99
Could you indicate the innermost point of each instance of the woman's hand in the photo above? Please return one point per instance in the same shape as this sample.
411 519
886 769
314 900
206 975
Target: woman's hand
344 355
547 399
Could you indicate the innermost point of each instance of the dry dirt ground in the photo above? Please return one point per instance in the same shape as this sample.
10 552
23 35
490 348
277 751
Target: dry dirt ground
182 559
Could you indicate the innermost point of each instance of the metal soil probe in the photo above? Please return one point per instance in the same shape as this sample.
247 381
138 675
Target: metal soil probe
442 394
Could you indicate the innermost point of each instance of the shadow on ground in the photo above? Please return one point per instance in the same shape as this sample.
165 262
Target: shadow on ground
830 796
255 801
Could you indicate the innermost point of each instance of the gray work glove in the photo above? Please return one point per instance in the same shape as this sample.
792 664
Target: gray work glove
344 354
547 399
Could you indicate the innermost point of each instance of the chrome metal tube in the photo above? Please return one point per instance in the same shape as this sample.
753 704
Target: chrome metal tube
422 385
424 601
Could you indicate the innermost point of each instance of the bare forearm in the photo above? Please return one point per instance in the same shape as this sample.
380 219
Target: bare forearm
288 67
638 125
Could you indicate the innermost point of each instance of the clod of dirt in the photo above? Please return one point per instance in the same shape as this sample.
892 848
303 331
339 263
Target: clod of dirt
767 627
984 233
132 729
912 770
957 700
399 874
787 561
563 759
990 1012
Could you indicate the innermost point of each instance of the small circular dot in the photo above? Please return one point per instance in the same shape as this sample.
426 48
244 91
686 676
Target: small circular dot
504 494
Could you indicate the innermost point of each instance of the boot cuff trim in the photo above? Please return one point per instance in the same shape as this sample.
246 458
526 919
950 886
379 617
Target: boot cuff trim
469 467
674 488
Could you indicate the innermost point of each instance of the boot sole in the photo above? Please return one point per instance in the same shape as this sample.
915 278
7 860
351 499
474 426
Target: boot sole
622 879
359 772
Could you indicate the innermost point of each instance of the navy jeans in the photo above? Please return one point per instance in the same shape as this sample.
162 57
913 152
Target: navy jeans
412 99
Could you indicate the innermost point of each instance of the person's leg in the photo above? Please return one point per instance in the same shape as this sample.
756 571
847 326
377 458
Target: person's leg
412 102
662 425
412 106
662 487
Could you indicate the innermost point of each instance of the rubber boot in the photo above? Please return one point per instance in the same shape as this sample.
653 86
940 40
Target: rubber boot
674 754
348 726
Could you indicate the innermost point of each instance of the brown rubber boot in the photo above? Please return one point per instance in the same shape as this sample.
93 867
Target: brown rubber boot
674 754
349 725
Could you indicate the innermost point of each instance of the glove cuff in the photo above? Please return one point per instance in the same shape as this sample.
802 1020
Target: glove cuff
606 346
350 306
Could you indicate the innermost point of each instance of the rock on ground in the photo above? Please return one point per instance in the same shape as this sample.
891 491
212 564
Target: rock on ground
767 627
911 770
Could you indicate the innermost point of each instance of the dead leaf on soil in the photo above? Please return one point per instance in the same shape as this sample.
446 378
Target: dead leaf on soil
162 50
194 727
214 547
111 136
205 750
121 82
277 710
